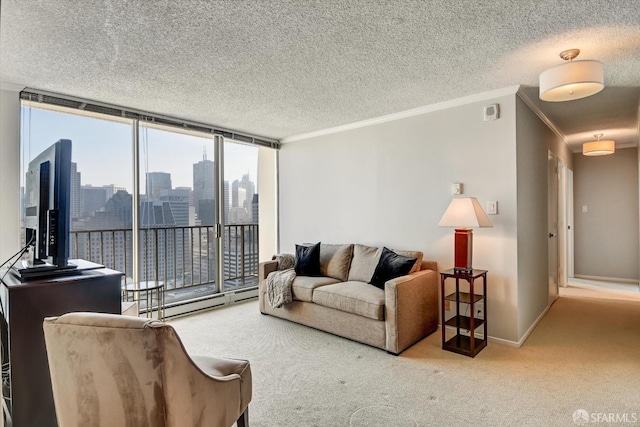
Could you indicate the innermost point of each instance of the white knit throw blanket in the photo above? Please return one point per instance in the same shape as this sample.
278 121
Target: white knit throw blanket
279 282
279 287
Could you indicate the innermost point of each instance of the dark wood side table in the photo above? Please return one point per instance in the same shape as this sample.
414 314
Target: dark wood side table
467 345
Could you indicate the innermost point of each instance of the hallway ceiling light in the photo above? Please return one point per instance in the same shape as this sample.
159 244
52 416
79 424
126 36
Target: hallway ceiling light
571 80
599 148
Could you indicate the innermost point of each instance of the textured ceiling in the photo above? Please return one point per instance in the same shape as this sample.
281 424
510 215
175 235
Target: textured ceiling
284 67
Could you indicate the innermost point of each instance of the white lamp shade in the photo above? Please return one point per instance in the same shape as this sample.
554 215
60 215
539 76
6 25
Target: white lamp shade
465 212
572 80
599 148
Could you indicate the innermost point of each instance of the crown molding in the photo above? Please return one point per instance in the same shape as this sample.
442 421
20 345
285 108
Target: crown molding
11 87
407 113
525 98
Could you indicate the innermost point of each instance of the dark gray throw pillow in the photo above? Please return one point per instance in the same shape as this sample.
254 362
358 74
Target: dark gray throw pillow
308 260
390 266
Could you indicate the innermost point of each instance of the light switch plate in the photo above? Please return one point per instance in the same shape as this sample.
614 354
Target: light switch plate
456 189
492 208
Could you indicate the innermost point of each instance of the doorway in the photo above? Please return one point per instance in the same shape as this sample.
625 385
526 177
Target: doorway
552 224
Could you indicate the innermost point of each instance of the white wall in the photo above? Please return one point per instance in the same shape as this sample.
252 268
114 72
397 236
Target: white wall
389 184
267 190
9 173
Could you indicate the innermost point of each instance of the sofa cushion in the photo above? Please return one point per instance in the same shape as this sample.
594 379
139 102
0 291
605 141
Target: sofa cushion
308 260
303 286
363 264
335 260
412 254
353 297
390 266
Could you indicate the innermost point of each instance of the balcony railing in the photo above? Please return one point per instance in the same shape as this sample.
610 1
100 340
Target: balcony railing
183 258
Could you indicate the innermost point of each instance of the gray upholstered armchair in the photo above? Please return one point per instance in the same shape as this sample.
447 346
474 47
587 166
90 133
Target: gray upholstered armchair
112 370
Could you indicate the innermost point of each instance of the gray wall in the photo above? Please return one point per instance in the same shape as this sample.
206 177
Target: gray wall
606 241
389 184
534 139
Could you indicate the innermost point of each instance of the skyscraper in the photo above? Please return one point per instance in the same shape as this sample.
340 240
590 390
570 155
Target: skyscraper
156 182
234 193
226 205
250 190
76 192
255 215
93 199
242 195
204 186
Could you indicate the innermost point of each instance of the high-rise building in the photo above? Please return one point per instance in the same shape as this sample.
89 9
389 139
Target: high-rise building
234 193
204 185
156 183
93 199
250 190
207 210
178 200
226 205
242 198
255 215
112 189
242 192
76 208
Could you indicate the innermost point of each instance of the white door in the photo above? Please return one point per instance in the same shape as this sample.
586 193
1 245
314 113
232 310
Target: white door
552 194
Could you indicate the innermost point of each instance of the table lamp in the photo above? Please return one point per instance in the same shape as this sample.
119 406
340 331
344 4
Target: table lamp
464 213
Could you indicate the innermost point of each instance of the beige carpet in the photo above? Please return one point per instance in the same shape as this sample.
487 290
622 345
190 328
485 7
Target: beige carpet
584 355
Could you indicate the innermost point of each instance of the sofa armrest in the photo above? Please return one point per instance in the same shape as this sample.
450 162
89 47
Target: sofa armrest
264 268
411 309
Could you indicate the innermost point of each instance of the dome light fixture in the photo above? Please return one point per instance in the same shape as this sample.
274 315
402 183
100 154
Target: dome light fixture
571 80
599 148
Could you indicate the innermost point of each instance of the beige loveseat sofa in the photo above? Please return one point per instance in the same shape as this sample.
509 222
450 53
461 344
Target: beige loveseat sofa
342 302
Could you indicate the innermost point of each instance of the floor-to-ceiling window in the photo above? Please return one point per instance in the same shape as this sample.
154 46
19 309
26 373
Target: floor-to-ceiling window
177 212
101 180
240 237
197 223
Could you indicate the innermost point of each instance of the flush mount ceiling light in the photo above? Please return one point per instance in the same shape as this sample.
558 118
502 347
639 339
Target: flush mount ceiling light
571 80
598 148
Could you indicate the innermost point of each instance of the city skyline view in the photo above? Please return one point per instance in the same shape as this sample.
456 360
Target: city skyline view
102 149
177 201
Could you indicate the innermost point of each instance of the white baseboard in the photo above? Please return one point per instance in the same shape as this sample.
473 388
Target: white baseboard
533 326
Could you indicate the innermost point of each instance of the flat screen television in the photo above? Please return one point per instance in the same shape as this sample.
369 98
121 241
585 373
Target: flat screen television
48 209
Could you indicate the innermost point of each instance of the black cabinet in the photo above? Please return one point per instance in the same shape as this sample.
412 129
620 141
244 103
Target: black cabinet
26 385
466 317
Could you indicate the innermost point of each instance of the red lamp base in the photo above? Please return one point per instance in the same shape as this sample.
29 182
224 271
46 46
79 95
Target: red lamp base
463 250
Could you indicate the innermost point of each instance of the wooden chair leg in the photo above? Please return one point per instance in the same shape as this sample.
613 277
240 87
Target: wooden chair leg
243 421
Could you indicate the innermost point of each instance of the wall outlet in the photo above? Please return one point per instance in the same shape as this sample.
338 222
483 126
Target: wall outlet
585 209
456 188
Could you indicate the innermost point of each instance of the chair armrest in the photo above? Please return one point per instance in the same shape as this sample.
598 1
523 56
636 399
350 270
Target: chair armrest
264 268
219 369
411 309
